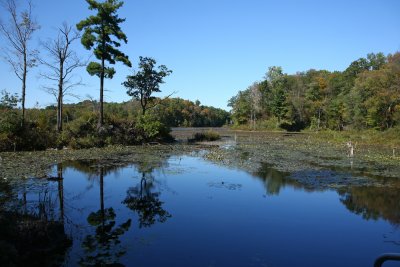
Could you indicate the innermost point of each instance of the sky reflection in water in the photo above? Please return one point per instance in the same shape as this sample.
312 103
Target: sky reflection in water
184 211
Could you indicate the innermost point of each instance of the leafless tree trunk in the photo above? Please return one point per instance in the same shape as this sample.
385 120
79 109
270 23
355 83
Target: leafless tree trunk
351 148
18 32
60 181
61 62
92 101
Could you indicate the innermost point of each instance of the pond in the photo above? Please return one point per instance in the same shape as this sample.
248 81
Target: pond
186 211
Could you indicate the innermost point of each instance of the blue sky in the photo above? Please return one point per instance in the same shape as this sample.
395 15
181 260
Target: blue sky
217 47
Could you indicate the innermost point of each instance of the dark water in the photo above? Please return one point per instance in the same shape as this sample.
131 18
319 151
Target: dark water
184 211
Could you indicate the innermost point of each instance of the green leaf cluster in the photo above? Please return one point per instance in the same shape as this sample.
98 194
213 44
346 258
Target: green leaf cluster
102 33
146 81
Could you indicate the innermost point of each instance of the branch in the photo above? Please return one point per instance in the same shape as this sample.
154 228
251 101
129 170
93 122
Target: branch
51 91
69 87
49 77
161 100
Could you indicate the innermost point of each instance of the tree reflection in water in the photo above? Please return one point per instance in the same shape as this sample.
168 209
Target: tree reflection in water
142 198
274 180
146 203
373 202
32 232
103 248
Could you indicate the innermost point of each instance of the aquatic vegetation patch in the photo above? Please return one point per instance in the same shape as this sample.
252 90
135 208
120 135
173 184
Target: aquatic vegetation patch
205 136
312 161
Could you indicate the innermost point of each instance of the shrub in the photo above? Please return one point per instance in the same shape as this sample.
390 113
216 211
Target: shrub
83 132
28 136
148 128
270 124
6 143
32 137
205 136
80 133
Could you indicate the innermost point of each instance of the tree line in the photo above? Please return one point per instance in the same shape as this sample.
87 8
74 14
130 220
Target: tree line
124 123
366 95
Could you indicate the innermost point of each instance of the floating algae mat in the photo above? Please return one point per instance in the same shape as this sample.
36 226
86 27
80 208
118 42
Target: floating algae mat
182 210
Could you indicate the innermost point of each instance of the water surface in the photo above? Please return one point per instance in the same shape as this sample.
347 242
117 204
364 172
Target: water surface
185 211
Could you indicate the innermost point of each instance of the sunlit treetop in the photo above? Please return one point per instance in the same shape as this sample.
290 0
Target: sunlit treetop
103 34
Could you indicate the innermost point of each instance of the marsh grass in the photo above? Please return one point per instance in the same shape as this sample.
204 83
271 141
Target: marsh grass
389 138
205 136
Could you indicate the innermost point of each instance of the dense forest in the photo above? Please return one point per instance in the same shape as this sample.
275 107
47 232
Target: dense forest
365 95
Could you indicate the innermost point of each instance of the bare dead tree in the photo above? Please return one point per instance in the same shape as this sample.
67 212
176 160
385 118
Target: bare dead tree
61 61
351 146
18 33
93 101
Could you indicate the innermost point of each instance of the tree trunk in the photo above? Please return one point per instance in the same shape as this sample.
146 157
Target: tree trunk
60 98
142 184
101 115
61 112
102 197
143 103
60 190
24 87
319 118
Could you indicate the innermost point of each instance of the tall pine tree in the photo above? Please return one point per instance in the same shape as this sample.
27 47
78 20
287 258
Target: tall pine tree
103 34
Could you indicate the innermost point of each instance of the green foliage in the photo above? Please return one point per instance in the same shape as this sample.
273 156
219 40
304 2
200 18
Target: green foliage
123 125
241 107
365 95
98 34
376 96
33 137
145 82
8 101
270 124
278 103
15 134
376 61
9 120
149 128
95 69
176 112
82 132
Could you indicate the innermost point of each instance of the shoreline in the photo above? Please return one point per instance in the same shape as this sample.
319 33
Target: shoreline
310 160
